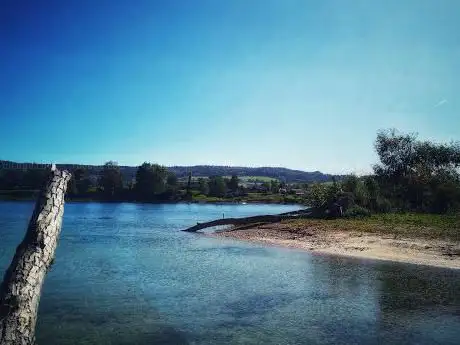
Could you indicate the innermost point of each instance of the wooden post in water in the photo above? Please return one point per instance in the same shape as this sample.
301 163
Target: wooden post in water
22 283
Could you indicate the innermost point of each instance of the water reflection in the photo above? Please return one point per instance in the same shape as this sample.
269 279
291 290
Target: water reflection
125 274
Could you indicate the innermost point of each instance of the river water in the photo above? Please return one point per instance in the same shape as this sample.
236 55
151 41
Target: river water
126 274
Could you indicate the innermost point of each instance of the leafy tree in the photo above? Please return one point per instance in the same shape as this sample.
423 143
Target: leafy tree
217 186
274 186
372 187
233 183
320 196
33 178
79 173
350 183
445 189
11 178
317 196
171 180
332 192
80 182
203 186
151 181
266 186
415 175
110 179
84 185
189 185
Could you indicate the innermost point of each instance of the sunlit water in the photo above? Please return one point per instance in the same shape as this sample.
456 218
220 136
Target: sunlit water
126 274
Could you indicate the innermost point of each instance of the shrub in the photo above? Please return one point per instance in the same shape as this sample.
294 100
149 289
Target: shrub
383 205
357 211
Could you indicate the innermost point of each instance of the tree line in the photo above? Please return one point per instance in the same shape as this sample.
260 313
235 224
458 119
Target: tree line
412 176
152 182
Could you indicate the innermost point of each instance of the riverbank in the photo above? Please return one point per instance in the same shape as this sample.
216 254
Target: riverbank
418 239
250 198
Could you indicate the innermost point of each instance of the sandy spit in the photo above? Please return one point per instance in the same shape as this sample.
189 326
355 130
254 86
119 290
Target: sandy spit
356 244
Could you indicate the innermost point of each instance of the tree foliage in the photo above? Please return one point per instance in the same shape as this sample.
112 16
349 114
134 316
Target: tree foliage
203 186
412 175
217 186
417 175
80 183
111 180
233 184
321 195
152 181
274 186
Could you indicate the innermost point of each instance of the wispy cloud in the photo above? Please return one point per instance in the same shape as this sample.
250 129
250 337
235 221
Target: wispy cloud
440 103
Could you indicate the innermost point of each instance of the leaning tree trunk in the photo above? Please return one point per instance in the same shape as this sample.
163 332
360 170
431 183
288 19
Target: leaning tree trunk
22 283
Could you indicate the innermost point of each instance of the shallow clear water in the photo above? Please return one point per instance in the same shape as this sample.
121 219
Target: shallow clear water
125 274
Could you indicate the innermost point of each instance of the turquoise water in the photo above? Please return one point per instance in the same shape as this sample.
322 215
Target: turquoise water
125 274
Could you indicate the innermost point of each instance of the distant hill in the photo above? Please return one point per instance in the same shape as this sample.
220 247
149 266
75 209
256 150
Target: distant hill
283 174
129 172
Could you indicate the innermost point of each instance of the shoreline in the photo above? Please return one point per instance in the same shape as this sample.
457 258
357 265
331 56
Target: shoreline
229 202
356 244
209 200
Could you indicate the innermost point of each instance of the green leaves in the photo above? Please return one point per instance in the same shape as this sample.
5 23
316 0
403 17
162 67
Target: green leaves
417 175
152 180
217 186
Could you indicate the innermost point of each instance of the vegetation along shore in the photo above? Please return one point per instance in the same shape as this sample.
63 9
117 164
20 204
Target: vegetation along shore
407 211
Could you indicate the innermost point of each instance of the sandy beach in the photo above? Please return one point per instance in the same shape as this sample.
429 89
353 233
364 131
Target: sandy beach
356 244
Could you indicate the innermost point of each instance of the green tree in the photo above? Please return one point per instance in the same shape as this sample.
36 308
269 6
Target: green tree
411 173
322 195
317 195
171 180
203 186
151 181
111 179
79 174
11 179
80 182
350 183
217 186
33 178
189 186
266 186
274 186
233 183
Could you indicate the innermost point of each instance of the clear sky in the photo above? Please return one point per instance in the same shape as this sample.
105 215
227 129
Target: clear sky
301 84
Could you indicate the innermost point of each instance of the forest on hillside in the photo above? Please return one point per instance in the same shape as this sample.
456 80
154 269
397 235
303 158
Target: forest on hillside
129 172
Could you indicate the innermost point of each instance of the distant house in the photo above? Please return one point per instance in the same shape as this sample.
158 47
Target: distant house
282 190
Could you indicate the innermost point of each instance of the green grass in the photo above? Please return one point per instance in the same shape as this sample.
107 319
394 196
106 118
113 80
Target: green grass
405 225
205 198
254 178
250 197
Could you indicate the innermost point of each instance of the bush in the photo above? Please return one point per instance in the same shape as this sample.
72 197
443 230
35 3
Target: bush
357 211
383 205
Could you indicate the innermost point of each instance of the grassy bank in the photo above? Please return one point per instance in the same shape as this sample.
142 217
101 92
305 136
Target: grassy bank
24 195
251 198
412 225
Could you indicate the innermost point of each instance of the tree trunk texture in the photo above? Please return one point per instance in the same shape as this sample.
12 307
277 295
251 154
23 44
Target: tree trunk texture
23 280
252 220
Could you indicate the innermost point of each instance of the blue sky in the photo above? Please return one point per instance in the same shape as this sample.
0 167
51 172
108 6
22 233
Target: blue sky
301 84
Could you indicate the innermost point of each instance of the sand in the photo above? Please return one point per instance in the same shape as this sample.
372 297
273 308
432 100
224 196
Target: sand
356 244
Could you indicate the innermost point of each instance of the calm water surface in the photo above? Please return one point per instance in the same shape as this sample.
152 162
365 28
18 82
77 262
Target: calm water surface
125 274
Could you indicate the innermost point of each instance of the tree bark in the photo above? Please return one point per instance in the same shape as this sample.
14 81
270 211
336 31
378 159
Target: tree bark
269 218
23 280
